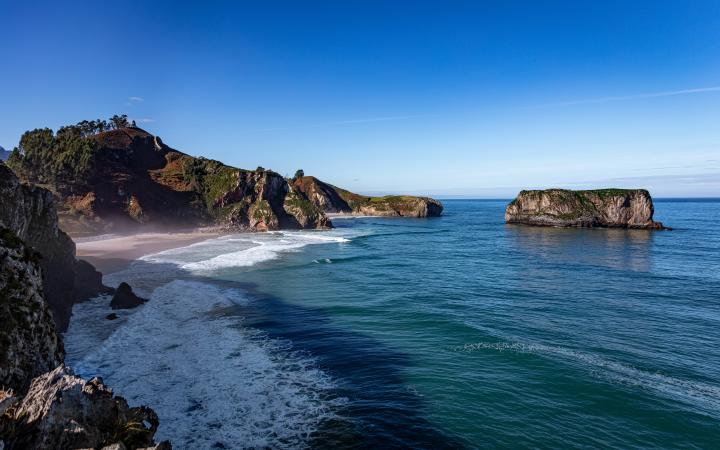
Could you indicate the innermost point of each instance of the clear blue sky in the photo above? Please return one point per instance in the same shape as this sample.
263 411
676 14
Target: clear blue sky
457 98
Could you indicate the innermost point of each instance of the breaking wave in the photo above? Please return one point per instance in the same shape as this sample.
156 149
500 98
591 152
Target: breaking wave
212 381
240 251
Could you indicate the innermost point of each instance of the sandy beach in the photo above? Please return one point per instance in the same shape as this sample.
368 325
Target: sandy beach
112 253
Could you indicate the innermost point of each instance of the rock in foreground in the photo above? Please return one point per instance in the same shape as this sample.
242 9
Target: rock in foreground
611 208
63 411
30 213
29 344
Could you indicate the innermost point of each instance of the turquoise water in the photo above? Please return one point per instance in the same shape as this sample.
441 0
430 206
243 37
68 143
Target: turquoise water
458 331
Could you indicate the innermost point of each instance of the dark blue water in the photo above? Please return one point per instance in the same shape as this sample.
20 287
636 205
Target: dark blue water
462 331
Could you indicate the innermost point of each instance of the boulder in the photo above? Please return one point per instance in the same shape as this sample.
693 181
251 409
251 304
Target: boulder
63 411
125 298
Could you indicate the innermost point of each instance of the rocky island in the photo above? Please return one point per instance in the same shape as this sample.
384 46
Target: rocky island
111 176
610 208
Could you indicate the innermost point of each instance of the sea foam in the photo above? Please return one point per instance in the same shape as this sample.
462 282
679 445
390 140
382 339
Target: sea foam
212 381
240 250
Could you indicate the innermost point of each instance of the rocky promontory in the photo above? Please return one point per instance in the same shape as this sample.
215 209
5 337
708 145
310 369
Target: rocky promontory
611 208
332 199
128 179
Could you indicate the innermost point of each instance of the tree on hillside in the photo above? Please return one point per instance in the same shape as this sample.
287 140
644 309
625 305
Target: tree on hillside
117 122
299 174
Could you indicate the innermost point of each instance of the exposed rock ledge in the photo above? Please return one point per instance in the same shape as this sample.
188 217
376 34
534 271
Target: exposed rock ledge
63 411
612 208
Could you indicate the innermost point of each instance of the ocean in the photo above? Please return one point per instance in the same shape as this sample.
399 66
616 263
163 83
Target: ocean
450 332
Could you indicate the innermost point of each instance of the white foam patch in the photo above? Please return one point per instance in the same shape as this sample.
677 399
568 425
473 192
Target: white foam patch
210 379
241 250
696 394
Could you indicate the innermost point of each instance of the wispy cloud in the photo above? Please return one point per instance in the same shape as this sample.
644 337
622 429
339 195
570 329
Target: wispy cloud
344 122
629 97
136 99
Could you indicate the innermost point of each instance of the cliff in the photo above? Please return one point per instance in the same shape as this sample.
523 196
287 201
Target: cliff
332 199
613 208
129 179
29 212
29 345
42 404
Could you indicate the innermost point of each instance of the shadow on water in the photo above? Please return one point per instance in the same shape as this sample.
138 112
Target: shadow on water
381 411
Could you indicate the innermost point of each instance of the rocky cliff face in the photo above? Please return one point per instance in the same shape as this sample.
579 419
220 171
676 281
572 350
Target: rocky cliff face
29 212
614 208
332 199
42 404
29 345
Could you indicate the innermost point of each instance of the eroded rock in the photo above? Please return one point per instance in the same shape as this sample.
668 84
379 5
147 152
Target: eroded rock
63 411
125 298
613 208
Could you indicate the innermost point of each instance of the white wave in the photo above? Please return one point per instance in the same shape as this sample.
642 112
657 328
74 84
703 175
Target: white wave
241 250
704 396
211 380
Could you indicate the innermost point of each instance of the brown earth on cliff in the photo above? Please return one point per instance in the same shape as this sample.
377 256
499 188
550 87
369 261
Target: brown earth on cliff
611 208
332 199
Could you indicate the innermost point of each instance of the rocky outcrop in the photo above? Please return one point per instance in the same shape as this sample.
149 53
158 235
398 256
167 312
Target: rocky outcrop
125 298
29 345
263 200
88 281
63 411
32 216
332 199
612 208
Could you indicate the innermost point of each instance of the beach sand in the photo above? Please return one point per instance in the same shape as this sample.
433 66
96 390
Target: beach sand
112 253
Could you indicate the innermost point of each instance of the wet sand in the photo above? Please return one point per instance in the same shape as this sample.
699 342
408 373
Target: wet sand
112 253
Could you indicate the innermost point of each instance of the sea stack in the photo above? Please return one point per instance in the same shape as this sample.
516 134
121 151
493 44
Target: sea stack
608 208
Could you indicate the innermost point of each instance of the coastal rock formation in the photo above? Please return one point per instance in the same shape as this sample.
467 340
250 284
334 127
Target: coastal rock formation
613 208
32 216
43 404
29 345
88 281
332 199
127 178
63 411
125 298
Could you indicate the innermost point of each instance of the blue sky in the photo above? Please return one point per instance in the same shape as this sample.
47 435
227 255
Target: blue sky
442 98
